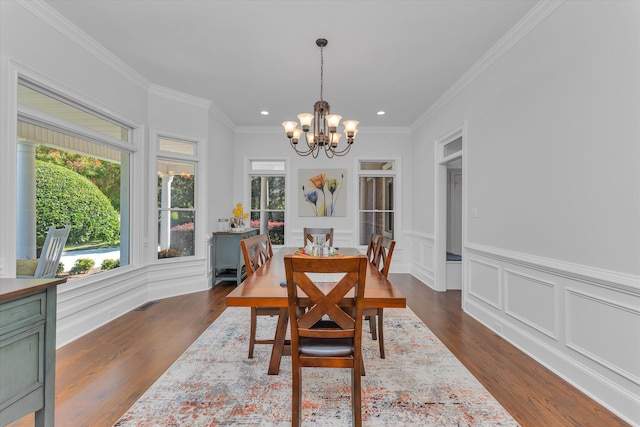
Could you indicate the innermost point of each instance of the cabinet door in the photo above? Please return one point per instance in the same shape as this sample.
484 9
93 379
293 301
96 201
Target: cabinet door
22 372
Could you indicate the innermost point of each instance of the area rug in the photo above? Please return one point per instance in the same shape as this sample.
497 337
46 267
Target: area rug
419 383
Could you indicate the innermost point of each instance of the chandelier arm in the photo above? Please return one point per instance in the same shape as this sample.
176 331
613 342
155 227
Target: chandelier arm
340 152
299 152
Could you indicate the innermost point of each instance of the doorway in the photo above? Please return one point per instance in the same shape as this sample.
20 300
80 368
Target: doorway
454 225
449 211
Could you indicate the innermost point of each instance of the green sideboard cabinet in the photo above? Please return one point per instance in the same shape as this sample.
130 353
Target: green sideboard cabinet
28 349
226 256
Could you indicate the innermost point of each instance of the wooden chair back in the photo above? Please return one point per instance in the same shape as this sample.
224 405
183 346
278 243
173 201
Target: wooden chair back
374 241
52 252
332 303
383 255
315 341
256 251
310 232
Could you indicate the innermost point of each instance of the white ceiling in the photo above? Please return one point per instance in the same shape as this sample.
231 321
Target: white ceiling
252 55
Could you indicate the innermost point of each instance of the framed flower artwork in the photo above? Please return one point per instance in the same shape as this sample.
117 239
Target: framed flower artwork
322 192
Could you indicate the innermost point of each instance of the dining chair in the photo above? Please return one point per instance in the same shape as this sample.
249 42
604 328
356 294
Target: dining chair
382 260
374 241
46 265
256 251
310 232
328 334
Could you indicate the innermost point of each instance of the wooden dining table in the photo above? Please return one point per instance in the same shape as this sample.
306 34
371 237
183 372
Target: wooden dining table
263 289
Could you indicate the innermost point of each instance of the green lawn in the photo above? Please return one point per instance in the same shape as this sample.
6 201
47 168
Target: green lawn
90 245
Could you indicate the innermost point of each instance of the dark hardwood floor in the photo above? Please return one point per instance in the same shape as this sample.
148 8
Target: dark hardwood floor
100 375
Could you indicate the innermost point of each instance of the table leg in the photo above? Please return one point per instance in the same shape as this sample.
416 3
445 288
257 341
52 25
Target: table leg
278 345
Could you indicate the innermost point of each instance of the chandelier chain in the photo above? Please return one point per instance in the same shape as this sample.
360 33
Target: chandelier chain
321 71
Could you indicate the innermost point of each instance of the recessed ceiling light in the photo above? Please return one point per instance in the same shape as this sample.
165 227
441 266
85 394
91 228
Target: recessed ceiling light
380 113
264 112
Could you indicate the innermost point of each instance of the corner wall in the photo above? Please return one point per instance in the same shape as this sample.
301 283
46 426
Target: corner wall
552 260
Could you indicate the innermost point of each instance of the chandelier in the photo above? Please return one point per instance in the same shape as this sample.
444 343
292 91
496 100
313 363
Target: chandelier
325 134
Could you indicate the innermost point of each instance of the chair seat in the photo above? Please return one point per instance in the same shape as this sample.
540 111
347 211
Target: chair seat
325 347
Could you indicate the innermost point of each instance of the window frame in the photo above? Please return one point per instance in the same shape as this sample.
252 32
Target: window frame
249 171
60 125
164 155
394 173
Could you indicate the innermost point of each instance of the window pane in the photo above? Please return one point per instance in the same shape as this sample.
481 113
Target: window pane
86 187
267 206
176 233
174 146
453 147
376 166
377 191
176 183
176 203
274 225
40 101
262 165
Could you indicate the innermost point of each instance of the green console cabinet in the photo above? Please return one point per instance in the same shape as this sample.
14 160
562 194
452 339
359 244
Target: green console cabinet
226 256
28 349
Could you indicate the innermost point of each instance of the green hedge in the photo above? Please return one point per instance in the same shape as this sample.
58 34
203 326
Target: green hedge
64 197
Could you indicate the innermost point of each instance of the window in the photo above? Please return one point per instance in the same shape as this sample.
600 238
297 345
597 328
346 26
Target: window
267 186
376 195
73 168
176 198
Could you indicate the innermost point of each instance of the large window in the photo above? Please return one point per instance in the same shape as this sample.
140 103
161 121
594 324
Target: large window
376 199
267 181
73 169
176 198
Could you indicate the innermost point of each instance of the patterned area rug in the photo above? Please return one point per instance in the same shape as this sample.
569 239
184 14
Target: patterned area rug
214 383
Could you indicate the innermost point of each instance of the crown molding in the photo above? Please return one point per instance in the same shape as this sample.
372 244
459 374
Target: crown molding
178 96
530 21
58 22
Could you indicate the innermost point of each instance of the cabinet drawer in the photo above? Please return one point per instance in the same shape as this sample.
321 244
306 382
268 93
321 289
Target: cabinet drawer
22 312
22 367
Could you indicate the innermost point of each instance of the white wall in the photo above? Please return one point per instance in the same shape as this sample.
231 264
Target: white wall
552 260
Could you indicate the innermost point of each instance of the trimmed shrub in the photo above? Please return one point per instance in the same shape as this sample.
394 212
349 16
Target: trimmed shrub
83 265
110 264
64 197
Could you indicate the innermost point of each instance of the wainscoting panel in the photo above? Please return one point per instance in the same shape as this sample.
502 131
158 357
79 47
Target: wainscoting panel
484 282
581 322
531 301
422 257
593 330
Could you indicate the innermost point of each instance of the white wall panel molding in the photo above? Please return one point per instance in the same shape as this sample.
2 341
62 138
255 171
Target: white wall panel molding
85 305
593 330
422 260
485 282
580 322
603 278
606 390
51 17
532 301
171 279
